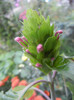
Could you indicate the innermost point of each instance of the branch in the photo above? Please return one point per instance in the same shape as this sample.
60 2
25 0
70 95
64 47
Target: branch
30 85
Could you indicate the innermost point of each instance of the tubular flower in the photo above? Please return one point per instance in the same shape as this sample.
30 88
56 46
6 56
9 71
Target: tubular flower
23 82
6 79
57 37
2 83
40 48
14 78
28 51
15 83
58 99
19 40
23 37
47 93
39 98
52 59
23 15
33 96
38 65
59 31
38 86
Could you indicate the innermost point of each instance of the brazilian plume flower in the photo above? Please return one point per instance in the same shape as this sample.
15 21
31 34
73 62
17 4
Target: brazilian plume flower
40 48
19 40
27 50
38 65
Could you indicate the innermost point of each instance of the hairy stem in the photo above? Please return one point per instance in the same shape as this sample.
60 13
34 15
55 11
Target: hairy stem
52 87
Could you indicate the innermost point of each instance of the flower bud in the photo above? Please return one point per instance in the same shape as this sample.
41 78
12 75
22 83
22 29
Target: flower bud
57 37
38 65
19 40
59 31
52 59
23 37
28 51
40 48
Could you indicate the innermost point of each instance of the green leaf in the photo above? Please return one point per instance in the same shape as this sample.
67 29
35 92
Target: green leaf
52 30
50 43
18 88
71 87
69 71
28 94
60 62
39 78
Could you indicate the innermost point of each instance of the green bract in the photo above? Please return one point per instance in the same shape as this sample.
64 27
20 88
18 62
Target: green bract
38 30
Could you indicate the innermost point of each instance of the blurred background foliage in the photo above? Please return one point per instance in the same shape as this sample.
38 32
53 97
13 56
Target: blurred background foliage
12 61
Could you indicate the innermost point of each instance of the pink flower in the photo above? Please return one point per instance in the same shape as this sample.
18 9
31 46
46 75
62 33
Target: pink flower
23 37
19 40
16 4
28 51
40 48
38 65
23 15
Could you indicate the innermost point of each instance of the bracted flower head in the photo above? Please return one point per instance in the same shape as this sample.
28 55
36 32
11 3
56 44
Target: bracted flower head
43 43
40 48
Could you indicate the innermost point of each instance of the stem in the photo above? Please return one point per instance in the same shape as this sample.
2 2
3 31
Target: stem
30 85
39 90
52 87
54 74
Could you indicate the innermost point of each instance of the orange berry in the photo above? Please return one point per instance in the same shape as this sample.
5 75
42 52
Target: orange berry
2 83
6 79
23 82
39 98
58 99
14 78
15 83
47 93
